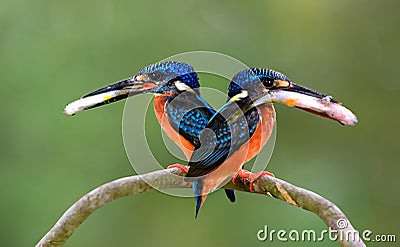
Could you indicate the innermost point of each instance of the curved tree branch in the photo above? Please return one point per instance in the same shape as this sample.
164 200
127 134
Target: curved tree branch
166 178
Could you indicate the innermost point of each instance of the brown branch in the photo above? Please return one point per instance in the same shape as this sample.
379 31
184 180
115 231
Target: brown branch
166 178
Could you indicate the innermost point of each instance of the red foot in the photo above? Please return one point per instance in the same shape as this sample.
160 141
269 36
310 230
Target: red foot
182 167
252 176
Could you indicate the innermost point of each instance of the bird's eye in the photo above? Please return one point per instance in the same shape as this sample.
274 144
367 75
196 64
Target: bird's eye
155 76
267 82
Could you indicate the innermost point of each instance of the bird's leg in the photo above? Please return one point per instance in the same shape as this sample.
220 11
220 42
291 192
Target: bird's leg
182 167
252 176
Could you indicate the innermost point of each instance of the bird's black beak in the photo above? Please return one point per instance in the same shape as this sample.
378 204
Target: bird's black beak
294 95
306 91
111 93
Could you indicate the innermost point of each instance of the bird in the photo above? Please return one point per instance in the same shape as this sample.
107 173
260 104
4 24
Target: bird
219 155
243 125
179 108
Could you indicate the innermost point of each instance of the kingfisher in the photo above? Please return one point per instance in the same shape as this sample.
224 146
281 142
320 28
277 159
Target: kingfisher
179 108
244 124
238 130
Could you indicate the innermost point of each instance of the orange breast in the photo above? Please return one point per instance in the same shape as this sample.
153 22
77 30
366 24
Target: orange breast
224 172
231 166
263 131
183 143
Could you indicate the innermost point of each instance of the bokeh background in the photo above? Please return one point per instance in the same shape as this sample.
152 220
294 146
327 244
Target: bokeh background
52 52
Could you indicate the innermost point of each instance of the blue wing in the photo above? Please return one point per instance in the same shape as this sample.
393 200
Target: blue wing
190 124
189 114
219 144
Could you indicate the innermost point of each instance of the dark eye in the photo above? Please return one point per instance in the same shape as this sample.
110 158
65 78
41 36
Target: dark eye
155 76
267 82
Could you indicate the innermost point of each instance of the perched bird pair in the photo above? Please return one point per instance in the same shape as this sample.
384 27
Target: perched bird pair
216 143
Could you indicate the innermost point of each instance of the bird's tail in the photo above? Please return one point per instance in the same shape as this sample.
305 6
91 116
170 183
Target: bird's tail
198 192
230 194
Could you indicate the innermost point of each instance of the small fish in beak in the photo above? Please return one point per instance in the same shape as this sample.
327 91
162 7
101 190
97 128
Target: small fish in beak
111 93
311 101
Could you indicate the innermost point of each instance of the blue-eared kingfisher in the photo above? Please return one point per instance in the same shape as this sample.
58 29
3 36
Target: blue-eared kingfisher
178 106
243 125
234 134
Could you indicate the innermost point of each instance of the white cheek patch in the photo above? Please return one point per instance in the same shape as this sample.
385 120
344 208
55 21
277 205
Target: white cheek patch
182 86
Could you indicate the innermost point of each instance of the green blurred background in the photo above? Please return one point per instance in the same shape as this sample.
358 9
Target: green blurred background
52 52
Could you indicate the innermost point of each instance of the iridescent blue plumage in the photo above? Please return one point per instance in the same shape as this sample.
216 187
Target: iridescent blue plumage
219 144
189 114
172 71
249 80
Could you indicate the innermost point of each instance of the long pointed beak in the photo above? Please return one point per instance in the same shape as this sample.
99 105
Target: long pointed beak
111 93
312 101
306 91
